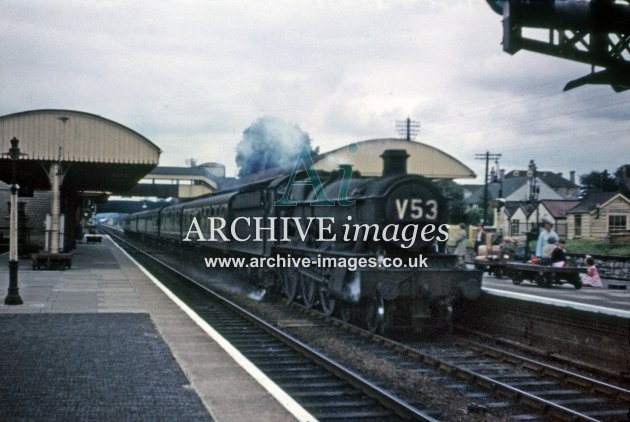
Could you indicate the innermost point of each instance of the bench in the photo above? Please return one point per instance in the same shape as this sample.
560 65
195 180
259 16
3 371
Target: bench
52 261
93 238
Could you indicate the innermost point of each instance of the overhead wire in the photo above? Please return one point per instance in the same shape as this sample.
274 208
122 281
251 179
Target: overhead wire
554 108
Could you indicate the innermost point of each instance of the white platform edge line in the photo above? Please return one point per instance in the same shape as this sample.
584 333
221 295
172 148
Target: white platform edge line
558 302
272 388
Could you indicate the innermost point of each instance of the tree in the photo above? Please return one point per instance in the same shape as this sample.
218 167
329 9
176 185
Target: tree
269 143
474 216
623 177
454 195
598 181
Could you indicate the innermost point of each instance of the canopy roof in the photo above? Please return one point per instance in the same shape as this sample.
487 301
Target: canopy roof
96 154
423 159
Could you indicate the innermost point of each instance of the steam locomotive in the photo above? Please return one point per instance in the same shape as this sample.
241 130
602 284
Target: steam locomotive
368 249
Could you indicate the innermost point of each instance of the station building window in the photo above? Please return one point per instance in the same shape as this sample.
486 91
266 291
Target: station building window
617 223
577 231
515 227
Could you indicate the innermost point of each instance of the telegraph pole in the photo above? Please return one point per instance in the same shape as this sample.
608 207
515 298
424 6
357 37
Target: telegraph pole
487 156
408 128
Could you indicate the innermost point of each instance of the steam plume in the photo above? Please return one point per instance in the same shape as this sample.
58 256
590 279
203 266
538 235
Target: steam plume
268 143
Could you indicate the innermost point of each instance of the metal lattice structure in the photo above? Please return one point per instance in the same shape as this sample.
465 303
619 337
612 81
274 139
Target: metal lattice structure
595 32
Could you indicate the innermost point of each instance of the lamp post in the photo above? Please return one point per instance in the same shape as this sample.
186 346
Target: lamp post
532 173
13 296
533 232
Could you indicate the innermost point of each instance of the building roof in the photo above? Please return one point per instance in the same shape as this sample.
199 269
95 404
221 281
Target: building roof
551 179
591 202
559 208
494 189
512 206
181 172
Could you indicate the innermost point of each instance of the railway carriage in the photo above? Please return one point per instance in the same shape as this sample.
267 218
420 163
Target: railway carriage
144 223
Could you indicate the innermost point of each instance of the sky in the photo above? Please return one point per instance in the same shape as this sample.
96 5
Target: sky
192 75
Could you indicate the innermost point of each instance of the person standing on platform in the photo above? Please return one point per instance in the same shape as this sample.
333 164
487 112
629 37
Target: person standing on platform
480 238
591 278
460 244
543 238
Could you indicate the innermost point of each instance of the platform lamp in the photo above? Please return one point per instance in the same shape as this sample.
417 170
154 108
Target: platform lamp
13 296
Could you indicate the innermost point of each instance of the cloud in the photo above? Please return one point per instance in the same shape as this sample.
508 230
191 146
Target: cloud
193 75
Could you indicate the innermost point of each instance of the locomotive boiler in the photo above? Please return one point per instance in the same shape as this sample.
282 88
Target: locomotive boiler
367 249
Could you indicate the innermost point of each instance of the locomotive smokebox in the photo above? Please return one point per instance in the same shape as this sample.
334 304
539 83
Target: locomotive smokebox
394 162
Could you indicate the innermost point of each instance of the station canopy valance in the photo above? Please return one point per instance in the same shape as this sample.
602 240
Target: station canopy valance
95 154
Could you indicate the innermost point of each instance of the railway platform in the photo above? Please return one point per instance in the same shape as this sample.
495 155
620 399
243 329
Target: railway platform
612 301
101 341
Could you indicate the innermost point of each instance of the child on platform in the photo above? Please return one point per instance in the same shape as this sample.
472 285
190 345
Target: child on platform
559 255
591 278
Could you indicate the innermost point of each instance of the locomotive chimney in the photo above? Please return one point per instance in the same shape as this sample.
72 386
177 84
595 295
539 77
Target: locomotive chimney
394 162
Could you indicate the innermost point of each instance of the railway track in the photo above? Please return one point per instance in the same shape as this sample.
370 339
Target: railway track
547 390
493 381
513 384
326 389
498 380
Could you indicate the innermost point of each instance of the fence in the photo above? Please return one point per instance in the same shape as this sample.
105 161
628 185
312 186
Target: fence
520 229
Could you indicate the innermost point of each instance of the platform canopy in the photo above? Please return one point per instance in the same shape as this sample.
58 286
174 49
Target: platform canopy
423 159
95 154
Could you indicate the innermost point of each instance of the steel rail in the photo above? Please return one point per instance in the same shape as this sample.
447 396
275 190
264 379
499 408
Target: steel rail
614 391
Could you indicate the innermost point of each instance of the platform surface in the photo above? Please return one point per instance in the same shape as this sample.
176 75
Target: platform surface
598 297
101 342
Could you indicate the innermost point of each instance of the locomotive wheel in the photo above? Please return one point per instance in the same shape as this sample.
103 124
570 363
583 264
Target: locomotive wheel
290 284
328 302
309 291
374 314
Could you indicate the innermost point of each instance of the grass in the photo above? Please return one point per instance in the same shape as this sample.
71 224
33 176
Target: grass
597 247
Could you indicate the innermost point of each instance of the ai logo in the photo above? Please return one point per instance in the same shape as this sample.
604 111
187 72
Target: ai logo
314 181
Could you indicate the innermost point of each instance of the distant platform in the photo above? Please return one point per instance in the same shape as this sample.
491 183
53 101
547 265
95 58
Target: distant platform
591 299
